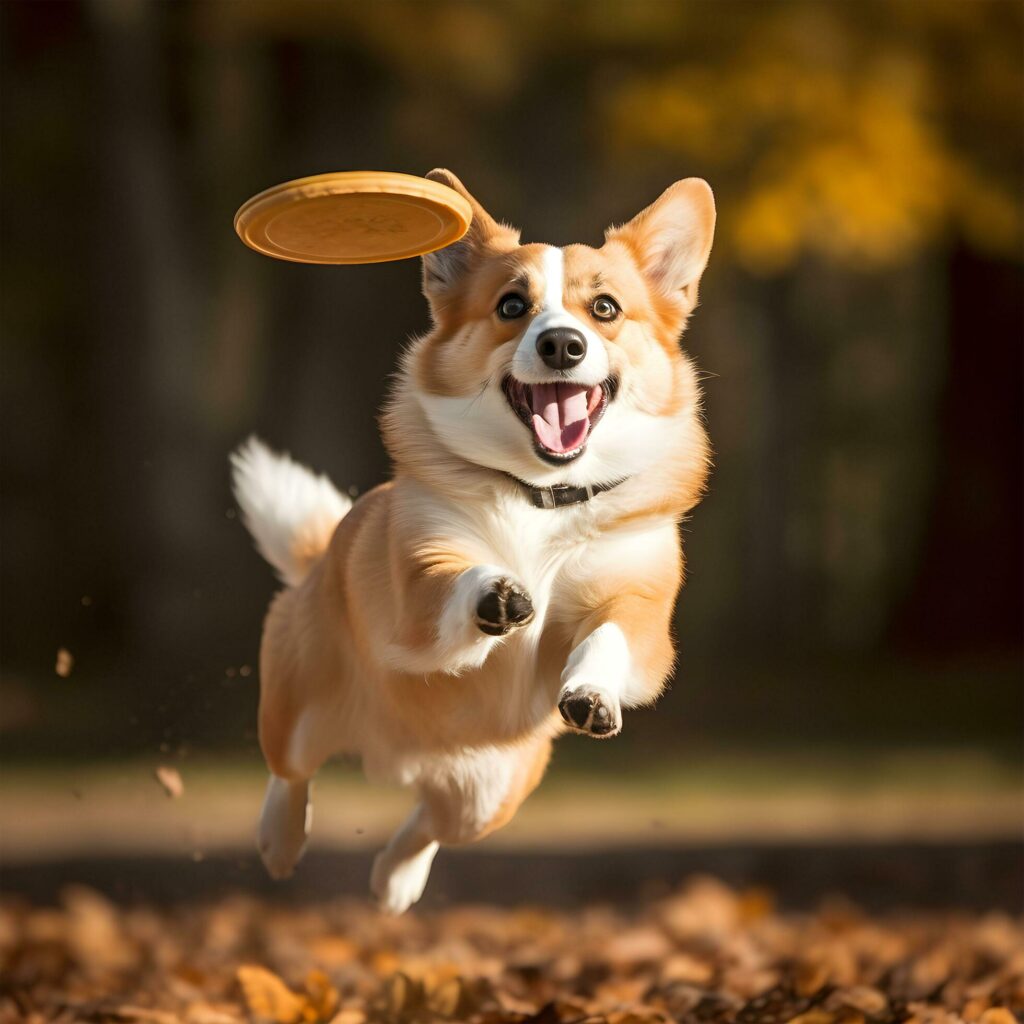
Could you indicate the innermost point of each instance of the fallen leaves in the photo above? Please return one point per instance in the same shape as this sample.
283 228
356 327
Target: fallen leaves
269 998
702 955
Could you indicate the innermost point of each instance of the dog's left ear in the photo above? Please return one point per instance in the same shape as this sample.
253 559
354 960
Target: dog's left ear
671 239
444 269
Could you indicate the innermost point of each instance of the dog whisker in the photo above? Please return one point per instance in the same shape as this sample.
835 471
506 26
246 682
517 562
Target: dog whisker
479 395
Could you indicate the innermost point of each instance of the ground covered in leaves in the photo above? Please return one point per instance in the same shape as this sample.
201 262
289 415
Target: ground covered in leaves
703 954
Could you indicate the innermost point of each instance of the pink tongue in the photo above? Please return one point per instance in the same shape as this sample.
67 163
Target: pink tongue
560 418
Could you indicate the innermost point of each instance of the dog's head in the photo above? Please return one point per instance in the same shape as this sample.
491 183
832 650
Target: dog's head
562 365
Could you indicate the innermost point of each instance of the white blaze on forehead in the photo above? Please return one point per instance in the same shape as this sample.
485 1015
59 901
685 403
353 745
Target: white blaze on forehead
553 263
528 367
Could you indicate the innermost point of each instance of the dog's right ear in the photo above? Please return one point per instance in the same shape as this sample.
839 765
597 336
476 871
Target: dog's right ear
444 269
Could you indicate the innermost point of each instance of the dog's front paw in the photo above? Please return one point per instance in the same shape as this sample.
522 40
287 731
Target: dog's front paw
502 607
591 712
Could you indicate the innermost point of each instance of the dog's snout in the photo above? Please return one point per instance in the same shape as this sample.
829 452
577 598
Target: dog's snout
561 348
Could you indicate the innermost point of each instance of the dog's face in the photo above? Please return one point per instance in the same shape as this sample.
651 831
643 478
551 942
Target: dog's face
563 364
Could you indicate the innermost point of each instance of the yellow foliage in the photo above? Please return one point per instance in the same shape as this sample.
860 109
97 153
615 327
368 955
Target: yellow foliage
843 154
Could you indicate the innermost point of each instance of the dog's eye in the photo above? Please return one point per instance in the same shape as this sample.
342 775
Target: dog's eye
605 308
511 306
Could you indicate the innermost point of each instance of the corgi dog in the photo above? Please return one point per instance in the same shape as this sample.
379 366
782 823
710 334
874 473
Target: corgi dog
516 578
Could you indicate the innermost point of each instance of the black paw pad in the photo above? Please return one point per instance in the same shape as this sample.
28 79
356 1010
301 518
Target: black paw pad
588 712
576 711
502 608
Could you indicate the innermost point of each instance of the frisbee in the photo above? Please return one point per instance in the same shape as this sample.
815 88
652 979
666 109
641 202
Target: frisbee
353 217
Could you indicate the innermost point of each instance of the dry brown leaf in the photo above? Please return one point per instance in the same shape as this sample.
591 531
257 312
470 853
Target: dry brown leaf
637 1016
141 1015
332 950
683 967
559 1011
997 1015
385 962
268 997
810 977
349 1016
404 996
622 991
831 963
868 1001
204 1013
170 779
924 1013
638 945
446 997
974 1008
929 971
428 971
513 1006
65 662
323 996
755 904
93 931
705 907
750 982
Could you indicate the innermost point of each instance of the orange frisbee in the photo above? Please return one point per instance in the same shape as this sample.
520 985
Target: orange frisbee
353 217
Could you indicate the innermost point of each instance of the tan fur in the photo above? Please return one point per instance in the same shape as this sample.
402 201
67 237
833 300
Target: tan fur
336 648
531 767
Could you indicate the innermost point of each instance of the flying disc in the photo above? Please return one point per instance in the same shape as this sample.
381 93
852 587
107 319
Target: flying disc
353 217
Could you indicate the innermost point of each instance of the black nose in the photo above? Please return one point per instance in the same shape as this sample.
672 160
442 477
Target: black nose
561 348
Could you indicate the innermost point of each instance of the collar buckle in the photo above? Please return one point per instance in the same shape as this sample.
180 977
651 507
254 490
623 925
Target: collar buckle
561 495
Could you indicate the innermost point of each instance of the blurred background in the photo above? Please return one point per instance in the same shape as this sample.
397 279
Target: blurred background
851 630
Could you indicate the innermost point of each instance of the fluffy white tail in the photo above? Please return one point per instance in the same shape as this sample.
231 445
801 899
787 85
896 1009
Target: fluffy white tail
290 512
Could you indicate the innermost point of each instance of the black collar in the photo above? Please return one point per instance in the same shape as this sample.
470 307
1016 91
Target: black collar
561 494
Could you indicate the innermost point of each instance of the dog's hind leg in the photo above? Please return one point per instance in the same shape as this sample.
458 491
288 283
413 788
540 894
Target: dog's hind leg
284 824
287 811
462 801
401 869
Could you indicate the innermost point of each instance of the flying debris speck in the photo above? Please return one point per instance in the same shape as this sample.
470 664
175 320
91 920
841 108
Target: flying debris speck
170 779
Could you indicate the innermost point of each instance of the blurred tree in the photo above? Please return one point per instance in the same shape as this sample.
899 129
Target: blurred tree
845 126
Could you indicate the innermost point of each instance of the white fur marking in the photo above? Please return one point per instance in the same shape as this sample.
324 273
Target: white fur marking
553 262
466 791
457 631
285 823
401 869
600 663
527 364
398 886
460 644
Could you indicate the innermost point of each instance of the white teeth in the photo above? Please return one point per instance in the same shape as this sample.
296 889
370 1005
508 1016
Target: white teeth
570 452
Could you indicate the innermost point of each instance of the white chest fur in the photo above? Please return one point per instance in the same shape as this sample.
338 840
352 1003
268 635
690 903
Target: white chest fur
560 555
502 688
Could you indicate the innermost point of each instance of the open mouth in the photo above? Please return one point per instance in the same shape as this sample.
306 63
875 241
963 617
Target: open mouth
560 415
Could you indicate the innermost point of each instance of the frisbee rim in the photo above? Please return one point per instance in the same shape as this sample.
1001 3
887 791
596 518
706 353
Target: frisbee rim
253 214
